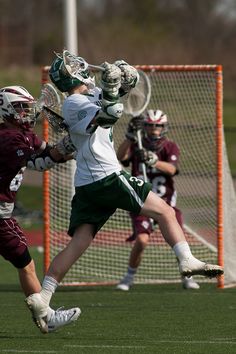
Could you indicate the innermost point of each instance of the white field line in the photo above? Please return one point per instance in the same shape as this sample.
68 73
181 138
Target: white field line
27 351
216 341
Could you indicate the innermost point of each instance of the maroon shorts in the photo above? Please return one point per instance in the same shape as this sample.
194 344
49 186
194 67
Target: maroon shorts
143 225
13 243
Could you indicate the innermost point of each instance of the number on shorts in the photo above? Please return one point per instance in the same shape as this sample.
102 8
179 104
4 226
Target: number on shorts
139 181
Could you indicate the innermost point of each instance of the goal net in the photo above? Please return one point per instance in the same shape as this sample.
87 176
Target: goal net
191 96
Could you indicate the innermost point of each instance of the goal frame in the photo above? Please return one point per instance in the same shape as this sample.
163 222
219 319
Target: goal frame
219 159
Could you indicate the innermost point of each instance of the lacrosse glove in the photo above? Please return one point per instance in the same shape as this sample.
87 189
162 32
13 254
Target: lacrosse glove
65 146
129 76
135 124
146 156
110 81
41 164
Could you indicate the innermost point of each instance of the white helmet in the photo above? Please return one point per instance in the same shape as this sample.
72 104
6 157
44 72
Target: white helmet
158 119
17 106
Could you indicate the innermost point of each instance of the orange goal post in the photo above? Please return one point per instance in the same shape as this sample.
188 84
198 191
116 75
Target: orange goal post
192 98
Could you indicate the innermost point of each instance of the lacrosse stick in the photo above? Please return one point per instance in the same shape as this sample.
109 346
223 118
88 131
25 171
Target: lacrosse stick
135 104
76 65
50 103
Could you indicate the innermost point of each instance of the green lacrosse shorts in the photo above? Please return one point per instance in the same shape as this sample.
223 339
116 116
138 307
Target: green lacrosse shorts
94 203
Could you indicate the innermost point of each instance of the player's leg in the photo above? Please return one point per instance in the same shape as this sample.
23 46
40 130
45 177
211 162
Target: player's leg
78 244
39 303
28 279
134 261
13 247
138 249
86 219
155 208
137 197
142 229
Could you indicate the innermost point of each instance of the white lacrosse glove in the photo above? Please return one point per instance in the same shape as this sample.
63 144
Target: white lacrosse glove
151 159
65 145
40 163
129 75
110 80
148 157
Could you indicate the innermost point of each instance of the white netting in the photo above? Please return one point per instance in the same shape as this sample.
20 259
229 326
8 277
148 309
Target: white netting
138 97
189 99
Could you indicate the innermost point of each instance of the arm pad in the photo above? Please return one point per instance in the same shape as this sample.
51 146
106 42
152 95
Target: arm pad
109 114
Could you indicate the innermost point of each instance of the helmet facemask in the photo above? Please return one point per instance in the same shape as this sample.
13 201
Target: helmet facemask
68 71
155 120
24 113
17 106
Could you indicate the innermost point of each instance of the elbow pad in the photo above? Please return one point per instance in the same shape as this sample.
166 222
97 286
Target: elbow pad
109 114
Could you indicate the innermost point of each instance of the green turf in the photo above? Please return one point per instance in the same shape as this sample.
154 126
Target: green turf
31 197
148 319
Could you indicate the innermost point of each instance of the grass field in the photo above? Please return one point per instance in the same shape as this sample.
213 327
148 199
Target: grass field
148 319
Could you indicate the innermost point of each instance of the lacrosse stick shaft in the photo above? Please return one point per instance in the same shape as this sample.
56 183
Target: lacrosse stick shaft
96 67
140 146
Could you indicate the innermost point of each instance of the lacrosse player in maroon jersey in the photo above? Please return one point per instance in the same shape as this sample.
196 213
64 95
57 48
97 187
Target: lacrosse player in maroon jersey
20 146
160 156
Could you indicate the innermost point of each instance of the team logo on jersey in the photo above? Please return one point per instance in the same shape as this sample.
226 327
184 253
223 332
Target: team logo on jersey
145 224
81 114
98 103
19 152
173 157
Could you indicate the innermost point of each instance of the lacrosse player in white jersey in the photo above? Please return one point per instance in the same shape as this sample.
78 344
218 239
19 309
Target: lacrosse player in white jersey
101 186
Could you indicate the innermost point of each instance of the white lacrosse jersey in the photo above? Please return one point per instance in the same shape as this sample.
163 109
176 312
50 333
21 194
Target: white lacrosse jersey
96 156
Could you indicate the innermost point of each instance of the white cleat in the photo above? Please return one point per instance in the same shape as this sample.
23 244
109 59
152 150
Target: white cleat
46 319
125 283
39 311
190 283
192 266
123 287
60 318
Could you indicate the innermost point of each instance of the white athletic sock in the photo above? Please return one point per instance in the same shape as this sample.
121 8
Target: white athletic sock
50 312
48 288
182 250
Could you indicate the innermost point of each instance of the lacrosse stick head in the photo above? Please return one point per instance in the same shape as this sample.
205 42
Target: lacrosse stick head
49 105
137 100
68 71
55 120
50 97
